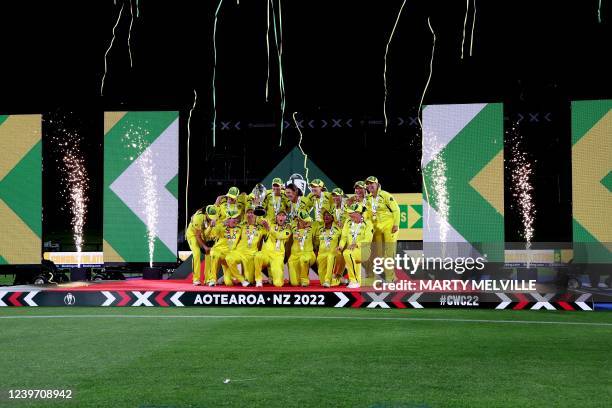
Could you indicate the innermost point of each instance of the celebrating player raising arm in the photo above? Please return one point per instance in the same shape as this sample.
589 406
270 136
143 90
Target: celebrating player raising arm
227 234
244 252
272 254
355 243
302 250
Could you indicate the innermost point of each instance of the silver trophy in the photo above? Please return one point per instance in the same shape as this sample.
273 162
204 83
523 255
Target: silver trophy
259 195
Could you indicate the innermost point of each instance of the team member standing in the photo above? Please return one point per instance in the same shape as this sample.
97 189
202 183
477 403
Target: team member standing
296 202
319 199
210 276
230 202
244 252
272 254
276 200
227 234
338 207
302 250
328 237
355 243
385 219
197 241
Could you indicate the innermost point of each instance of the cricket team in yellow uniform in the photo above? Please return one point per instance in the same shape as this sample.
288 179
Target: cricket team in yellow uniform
244 234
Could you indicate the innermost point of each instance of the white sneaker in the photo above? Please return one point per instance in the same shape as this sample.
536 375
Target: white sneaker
196 283
211 283
326 285
344 281
258 284
245 283
353 285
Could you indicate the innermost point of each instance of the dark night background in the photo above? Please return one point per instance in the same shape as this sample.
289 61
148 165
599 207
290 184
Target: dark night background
535 57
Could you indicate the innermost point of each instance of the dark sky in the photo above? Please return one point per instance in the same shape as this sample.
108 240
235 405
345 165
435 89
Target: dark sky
535 57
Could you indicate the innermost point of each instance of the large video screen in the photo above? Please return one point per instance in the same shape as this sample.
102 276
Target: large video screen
20 189
592 181
140 186
463 176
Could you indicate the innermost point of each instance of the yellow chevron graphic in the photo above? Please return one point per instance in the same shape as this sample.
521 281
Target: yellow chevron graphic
592 161
18 243
110 255
486 182
111 119
18 134
413 216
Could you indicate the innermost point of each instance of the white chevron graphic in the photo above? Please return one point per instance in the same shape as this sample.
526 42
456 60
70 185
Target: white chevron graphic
542 301
28 298
378 300
412 300
129 186
343 299
142 298
505 301
109 298
2 294
175 299
581 301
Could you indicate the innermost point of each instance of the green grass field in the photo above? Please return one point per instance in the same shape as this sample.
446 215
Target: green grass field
175 357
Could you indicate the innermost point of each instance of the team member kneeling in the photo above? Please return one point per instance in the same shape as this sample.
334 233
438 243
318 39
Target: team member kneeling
272 254
302 250
355 243
227 234
244 252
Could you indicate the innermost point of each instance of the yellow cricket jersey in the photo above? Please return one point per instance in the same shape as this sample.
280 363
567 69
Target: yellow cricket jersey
274 204
302 239
303 203
227 238
383 208
196 224
250 236
356 233
339 215
275 238
328 239
225 206
319 203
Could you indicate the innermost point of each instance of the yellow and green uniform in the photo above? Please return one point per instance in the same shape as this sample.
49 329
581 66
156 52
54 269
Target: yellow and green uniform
367 215
244 252
225 206
275 204
339 214
272 254
302 255
227 240
302 203
359 234
328 240
318 204
385 214
195 228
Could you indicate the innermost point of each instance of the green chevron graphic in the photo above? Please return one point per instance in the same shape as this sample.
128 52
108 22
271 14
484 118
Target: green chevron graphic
592 180
464 144
140 146
20 189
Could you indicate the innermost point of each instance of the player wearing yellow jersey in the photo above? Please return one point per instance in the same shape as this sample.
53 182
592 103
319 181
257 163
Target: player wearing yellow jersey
227 234
296 202
302 250
276 200
195 235
232 201
355 243
327 238
244 252
385 219
338 210
272 254
319 199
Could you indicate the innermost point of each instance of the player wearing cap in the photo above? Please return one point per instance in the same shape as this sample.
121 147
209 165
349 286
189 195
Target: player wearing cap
272 254
327 238
355 243
319 199
385 219
276 199
338 210
302 250
209 223
227 234
244 252
232 201
197 241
